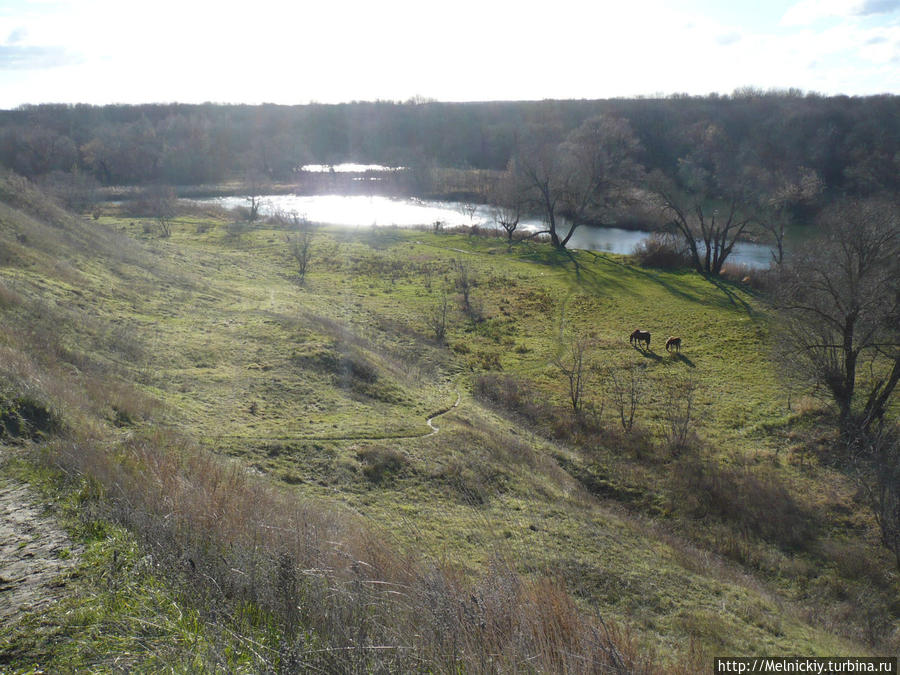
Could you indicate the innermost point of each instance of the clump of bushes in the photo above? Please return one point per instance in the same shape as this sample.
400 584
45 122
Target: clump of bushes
26 417
662 251
754 499
380 462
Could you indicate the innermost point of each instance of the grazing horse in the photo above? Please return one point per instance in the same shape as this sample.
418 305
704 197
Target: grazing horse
674 342
640 336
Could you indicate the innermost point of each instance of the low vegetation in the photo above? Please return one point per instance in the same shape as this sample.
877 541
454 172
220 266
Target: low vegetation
437 453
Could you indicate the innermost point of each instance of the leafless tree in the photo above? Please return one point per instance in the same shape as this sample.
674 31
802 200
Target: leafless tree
712 199
886 504
468 208
299 242
570 361
839 300
626 387
464 280
575 179
508 201
709 233
789 194
162 204
876 457
436 318
255 183
678 413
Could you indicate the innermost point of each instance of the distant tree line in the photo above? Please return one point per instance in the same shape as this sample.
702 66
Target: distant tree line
847 146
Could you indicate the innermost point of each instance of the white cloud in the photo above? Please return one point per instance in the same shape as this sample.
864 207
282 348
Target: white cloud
807 12
867 7
472 50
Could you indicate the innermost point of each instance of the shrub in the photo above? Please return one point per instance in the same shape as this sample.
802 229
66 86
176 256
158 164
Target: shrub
662 251
753 499
26 417
380 462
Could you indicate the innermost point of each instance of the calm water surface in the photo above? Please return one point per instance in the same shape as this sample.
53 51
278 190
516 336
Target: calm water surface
365 211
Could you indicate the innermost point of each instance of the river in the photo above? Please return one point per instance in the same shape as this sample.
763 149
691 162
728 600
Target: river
365 211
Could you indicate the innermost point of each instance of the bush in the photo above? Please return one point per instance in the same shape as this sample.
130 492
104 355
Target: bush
26 417
756 278
662 251
753 499
380 462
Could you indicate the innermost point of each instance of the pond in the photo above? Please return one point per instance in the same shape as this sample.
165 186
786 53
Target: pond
375 211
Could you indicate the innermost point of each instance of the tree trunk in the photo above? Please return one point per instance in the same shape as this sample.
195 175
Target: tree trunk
875 406
844 397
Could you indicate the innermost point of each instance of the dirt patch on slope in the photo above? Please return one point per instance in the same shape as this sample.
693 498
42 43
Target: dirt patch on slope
34 553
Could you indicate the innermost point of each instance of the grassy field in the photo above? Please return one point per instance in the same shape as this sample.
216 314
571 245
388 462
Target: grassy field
745 541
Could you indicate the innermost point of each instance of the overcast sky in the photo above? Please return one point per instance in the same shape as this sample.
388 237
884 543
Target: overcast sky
120 51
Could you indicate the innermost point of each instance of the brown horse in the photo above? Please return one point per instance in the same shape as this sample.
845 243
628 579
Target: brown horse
640 336
673 342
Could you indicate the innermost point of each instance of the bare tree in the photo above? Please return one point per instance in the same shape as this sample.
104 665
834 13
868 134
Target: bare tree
678 413
162 204
711 200
436 318
576 179
839 298
468 208
883 486
710 233
299 241
789 195
508 200
626 387
570 361
464 280
255 182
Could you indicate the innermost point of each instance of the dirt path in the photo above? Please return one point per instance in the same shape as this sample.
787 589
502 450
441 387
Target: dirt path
34 552
362 437
435 429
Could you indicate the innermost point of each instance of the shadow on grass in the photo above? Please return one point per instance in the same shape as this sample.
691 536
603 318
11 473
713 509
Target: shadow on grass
685 360
647 353
733 298
656 277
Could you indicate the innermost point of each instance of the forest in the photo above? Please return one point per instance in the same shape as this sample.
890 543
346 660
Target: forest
850 144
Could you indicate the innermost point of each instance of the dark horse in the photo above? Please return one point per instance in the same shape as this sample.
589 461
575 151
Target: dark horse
640 336
673 342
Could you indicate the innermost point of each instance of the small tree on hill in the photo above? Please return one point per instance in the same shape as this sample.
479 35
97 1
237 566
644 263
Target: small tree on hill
436 318
465 280
571 363
678 413
882 484
508 201
626 387
299 241
161 201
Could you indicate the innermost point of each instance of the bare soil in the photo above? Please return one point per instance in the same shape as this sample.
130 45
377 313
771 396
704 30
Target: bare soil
34 553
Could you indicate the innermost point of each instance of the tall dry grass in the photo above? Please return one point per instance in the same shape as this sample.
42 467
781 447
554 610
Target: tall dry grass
344 598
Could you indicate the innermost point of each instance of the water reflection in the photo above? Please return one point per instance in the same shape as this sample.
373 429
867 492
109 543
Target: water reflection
363 211
347 167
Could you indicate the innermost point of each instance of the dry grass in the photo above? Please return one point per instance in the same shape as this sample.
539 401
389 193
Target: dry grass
237 542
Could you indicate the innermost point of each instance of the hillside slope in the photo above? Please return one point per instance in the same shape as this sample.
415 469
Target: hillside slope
741 543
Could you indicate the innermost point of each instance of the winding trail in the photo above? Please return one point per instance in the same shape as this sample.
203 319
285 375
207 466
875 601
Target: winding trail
429 421
362 437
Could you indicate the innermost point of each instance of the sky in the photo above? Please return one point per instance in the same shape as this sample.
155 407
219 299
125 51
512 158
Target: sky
328 51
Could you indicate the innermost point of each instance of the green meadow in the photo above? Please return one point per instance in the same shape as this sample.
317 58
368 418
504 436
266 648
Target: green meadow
744 540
